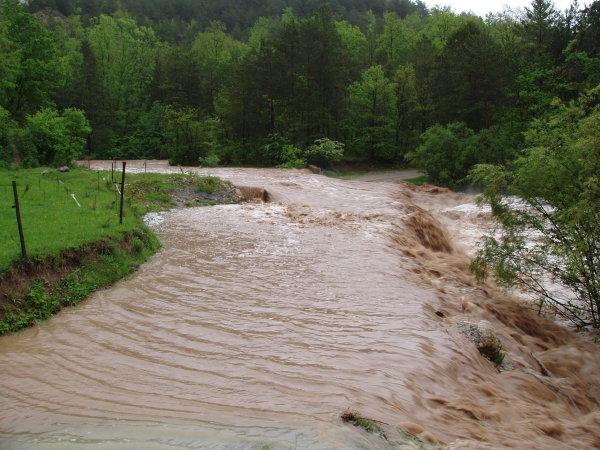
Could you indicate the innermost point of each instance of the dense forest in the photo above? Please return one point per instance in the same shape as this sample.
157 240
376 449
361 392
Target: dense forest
287 82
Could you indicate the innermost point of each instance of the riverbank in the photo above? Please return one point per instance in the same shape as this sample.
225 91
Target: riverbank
74 240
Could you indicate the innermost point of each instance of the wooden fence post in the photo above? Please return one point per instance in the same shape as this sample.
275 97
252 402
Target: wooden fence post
20 225
122 191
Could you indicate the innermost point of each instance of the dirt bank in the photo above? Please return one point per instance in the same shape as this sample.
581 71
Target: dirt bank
37 288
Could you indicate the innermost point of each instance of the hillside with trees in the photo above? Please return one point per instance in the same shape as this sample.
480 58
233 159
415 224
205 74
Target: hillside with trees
268 83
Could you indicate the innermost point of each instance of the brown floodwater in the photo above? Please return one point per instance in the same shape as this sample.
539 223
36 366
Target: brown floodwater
259 324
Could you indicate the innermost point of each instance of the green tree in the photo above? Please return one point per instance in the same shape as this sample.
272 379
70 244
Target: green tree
397 41
322 75
354 42
372 38
425 64
124 55
189 137
9 63
7 127
441 24
540 18
215 54
50 138
123 60
539 81
325 152
371 114
69 35
31 66
294 81
582 54
248 106
406 108
471 80
175 79
547 206
445 153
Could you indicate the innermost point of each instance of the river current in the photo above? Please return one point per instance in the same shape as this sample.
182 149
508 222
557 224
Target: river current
257 325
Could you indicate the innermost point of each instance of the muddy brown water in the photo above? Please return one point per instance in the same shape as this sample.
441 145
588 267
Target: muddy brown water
259 324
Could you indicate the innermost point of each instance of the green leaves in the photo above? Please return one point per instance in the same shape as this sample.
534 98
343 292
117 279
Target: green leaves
55 139
447 154
444 152
371 114
551 234
124 57
29 70
325 152
215 54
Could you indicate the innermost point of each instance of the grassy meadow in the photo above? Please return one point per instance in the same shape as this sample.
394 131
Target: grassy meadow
58 211
67 210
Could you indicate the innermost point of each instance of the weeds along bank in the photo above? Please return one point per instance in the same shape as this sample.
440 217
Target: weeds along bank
75 240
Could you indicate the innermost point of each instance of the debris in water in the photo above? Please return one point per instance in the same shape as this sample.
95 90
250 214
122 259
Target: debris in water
362 422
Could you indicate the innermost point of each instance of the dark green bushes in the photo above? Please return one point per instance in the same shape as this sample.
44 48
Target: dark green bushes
448 153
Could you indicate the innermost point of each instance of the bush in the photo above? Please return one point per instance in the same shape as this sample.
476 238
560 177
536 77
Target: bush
448 153
292 157
443 153
211 160
325 152
51 138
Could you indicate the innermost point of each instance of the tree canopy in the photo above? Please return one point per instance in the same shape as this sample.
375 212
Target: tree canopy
390 79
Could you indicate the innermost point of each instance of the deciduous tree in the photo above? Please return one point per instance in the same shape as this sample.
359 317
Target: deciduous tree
547 205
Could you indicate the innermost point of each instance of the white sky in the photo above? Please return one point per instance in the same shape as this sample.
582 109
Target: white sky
482 7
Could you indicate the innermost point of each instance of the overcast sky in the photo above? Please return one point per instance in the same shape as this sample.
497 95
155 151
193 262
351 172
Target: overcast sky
482 7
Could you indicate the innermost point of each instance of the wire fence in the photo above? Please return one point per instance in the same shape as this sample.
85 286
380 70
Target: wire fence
47 207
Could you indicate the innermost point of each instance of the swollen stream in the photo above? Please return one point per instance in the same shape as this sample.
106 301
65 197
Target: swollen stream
259 324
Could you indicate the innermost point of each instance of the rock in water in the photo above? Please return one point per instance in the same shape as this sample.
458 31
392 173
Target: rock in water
485 341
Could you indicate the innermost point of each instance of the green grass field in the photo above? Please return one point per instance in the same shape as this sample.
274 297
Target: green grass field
67 210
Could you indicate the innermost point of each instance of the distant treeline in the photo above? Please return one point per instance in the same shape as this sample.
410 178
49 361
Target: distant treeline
170 17
264 83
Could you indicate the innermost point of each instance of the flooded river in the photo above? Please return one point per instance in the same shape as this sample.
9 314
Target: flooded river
258 324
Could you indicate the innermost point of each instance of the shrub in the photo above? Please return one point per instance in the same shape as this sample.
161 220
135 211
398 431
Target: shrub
324 152
443 152
448 153
210 160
